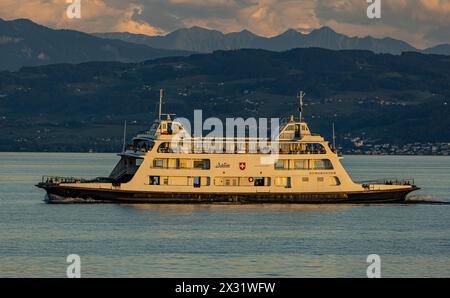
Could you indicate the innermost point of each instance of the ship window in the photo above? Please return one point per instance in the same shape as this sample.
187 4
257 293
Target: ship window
279 165
184 163
253 147
141 145
180 181
297 131
302 148
230 147
164 148
283 182
159 163
154 180
173 163
314 148
297 164
322 164
305 179
202 164
290 128
259 181
300 164
334 181
210 147
241 147
198 146
320 179
248 181
284 148
197 182
332 148
221 181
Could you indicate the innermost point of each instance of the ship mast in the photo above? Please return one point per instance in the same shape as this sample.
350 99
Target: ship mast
161 97
334 137
300 97
124 136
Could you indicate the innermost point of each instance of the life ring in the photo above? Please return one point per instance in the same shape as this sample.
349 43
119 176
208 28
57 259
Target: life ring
250 179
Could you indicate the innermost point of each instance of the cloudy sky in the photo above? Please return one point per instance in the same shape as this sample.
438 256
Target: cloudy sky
421 22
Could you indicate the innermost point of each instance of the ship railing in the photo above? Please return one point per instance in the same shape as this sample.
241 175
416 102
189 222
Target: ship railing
137 149
246 151
374 184
72 180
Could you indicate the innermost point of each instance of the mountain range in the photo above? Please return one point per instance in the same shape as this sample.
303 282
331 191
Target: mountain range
25 43
202 40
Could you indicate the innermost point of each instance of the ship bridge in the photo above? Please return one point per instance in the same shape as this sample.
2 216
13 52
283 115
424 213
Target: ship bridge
168 128
294 130
298 131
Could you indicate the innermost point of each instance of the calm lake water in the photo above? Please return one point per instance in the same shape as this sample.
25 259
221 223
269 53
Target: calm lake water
221 241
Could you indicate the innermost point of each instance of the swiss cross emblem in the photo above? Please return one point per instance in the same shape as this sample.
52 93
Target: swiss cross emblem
242 166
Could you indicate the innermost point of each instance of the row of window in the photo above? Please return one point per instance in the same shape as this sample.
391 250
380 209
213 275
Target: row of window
182 163
203 147
205 164
242 181
198 181
303 164
180 181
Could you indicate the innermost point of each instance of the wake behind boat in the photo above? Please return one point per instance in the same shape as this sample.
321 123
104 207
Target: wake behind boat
155 169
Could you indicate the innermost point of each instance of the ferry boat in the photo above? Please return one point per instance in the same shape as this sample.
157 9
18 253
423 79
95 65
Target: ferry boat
308 170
